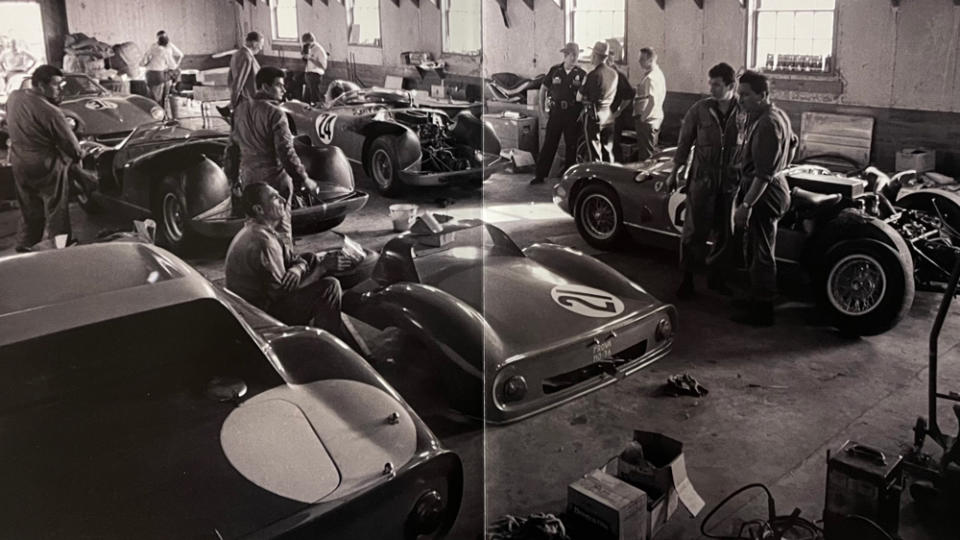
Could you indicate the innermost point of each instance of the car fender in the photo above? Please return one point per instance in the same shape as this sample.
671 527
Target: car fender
406 143
583 174
582 268
850 224
329 166
205 186
436 317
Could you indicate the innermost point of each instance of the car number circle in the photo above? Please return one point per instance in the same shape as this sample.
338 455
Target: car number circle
98 105
677 209
325 124
587 301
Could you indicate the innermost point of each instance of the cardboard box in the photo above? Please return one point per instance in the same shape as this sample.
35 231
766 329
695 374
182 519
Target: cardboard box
533 97
609 505
918 159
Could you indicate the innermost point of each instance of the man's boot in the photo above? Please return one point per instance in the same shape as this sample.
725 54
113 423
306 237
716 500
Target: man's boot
686 289
718 285
757 313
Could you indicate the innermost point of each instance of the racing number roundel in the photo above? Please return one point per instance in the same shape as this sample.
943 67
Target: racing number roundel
587 301
677 209
325 124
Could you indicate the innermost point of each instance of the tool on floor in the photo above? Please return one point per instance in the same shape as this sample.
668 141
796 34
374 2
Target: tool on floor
774 527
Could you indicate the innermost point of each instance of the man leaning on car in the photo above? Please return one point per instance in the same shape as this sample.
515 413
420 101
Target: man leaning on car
261 269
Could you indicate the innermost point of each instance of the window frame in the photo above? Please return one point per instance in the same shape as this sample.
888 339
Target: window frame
752 60
443 6
569 31
274 26
351 4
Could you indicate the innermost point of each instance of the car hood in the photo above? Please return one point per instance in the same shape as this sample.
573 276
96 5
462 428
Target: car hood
110 114
521 300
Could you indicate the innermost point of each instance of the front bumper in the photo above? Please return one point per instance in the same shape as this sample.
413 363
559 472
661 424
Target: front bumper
556 376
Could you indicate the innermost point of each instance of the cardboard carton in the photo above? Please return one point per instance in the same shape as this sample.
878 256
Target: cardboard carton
610 505
918 159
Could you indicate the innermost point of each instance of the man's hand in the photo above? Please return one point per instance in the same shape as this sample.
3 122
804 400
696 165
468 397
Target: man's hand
672 180
336 261
292 278
310 184
741 216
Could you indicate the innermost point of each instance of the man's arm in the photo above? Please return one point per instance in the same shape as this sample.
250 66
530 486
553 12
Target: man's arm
176 54
643 95
765 149
273 268
66 140
688 134
319 59
147 56
283 142
240 68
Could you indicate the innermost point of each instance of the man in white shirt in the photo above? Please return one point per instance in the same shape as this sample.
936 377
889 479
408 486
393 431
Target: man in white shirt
315 58
161 60
648 105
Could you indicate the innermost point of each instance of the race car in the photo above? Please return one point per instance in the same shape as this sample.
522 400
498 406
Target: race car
397 142
863 254
141 401
488 313
172 172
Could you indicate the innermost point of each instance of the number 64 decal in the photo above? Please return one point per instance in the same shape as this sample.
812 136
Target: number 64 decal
587 301
325 124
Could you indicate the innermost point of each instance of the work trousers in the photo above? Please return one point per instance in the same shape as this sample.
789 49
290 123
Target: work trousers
312 91
43 193
760 241
559 123
315 302
709 210
158 86
647 137
600 141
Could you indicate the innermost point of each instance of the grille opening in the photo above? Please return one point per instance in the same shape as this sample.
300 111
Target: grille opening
566 380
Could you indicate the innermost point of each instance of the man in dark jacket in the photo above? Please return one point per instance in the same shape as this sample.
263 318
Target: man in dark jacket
42 147
262 134
244 68
622 107
710 128
768 145
558 99
597 96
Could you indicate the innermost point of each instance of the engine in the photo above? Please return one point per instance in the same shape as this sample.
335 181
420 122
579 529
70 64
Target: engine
930 244
442 151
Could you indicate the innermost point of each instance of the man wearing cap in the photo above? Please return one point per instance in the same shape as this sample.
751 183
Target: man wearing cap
558 98
243 70
597 95
648 105
316 65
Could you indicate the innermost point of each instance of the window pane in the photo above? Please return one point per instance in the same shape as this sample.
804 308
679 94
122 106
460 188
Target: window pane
804 24
785 25
823 25
784 46
596 20
766 25
823 47
803 46
823 4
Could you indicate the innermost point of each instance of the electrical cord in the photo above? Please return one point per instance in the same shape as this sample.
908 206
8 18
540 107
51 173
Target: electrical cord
773 528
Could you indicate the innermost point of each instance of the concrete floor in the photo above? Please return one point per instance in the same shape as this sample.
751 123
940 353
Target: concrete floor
779 399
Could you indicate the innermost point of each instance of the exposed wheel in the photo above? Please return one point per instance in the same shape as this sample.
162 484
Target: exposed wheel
599 216
170 211
583 151
865 286
383 168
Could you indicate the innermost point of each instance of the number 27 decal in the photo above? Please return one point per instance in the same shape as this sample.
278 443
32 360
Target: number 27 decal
587 301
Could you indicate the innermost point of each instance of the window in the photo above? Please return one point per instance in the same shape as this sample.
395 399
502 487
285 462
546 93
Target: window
590 21
794 35
363 22
284 18
460 25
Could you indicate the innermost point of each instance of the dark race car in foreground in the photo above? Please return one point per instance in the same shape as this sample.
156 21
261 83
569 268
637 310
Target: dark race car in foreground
863 242
399 143
513 332
140 401
172 171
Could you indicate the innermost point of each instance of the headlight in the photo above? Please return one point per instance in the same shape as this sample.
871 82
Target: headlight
664 329
427 514
478 155
72 122
515 388
157 113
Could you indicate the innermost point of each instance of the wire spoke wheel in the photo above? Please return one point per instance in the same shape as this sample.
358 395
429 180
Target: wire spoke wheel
382 168
599 216
856 284
172 216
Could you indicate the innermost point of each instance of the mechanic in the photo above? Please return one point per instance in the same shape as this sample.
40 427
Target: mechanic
261 269
42 147
262 135
161 61
558 99
597 95
648 104
710 129
315 65
15 60
767 147
243 69
621 106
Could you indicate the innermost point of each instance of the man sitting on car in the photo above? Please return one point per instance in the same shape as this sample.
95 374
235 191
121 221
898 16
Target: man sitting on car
296 289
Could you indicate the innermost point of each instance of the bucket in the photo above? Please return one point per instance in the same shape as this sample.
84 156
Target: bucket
403 216
179 107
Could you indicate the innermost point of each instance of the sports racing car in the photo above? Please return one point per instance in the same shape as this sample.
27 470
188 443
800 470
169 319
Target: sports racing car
172 172
397 142
863 252
140 401
489 314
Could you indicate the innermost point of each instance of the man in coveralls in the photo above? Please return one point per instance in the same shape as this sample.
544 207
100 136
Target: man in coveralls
558 98
597 96
267 155
710 128
767 148
42 147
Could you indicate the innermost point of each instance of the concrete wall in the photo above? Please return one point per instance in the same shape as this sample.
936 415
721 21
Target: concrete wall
195 26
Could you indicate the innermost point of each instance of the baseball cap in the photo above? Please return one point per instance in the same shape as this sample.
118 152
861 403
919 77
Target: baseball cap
601 48
571 48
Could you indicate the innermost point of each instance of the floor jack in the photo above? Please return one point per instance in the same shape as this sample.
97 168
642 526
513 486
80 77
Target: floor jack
938 482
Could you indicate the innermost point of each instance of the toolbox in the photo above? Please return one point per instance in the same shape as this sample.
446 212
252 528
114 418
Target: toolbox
610 505
862 481
516 130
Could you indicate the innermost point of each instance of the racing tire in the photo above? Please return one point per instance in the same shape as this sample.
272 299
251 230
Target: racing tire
865 286
383 168
599 216
170 213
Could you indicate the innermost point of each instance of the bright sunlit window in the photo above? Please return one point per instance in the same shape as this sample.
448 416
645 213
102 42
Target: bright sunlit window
24 25
590 21
284 17
461 26
363 22
794 35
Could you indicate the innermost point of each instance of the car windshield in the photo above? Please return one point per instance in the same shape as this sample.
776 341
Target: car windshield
178 130
80 85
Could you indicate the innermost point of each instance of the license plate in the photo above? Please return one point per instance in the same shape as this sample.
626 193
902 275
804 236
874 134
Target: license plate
602 351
